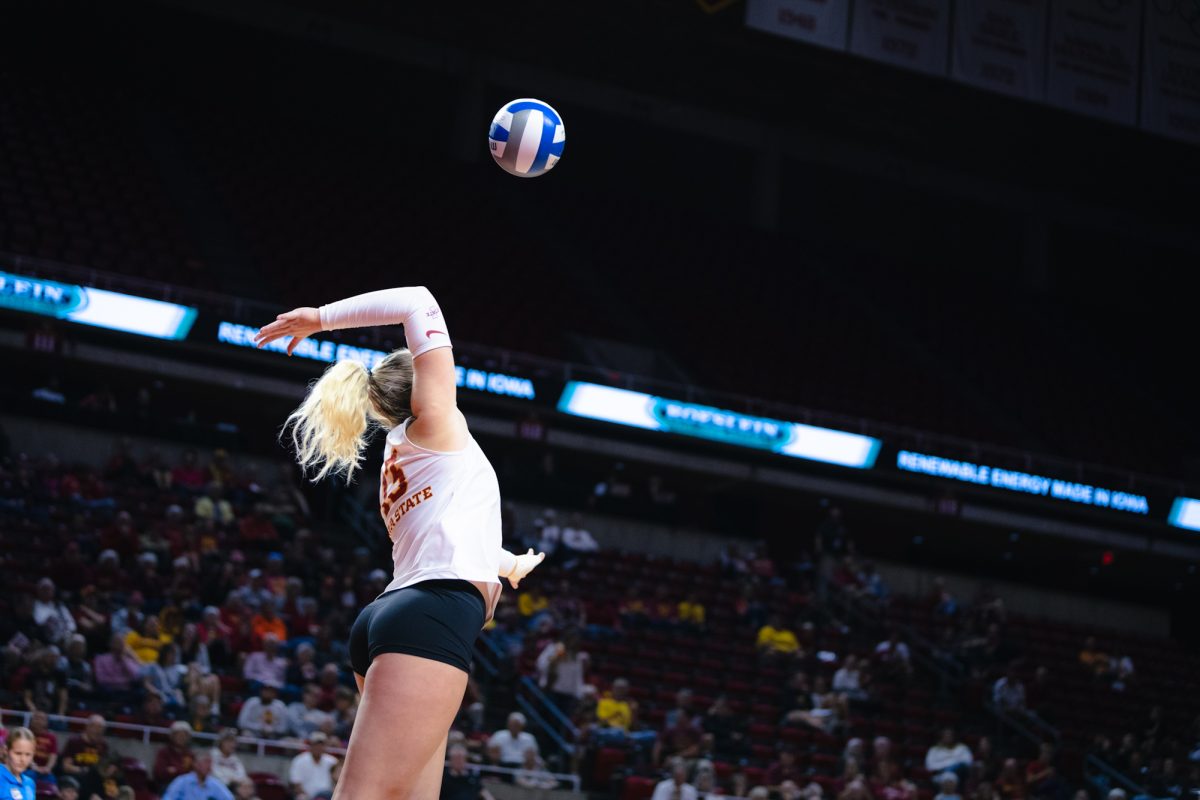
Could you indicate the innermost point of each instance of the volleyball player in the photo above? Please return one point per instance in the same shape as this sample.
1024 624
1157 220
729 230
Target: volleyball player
410 648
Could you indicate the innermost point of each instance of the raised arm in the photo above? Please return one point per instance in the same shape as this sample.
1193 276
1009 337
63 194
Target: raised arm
437 422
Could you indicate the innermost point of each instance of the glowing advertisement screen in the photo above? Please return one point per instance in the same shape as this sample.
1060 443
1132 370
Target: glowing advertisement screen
1024 482
1185 513
324 350
98 307
639 410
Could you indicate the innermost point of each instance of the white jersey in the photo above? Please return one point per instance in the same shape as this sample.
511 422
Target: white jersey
442 511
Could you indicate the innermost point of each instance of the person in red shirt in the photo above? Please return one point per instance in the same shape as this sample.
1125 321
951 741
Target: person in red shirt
679 739
329 687
1010 783
893 786
175 758
1041 778
85 756
785 769
257 527
45 748
188 475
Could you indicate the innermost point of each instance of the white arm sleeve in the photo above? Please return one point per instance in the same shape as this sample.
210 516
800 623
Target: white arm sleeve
411 306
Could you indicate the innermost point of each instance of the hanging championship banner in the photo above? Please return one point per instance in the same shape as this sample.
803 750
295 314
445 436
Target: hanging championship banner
1171 69
907 33
819 22
1094 51
1001 45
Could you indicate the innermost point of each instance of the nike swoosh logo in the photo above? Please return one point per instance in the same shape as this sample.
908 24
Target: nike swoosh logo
431 333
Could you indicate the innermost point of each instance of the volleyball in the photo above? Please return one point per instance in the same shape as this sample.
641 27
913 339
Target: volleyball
527 138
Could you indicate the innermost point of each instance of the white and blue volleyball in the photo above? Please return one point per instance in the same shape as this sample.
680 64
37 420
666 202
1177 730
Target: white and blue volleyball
527 138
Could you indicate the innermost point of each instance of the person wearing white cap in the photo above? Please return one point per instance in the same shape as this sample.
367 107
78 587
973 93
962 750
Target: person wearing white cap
440 503
507 746
227 765
310 772
175 757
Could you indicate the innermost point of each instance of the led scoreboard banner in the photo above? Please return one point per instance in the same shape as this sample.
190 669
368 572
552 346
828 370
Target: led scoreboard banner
174 322
1185 513
1023 482
640 410
99 307
478 380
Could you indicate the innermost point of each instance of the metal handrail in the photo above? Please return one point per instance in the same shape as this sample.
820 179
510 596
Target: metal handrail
561 777
250 310
148 731
1018 725
1112 773
535 716
555 711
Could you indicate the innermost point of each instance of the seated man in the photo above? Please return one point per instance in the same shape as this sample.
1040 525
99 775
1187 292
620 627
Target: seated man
175 757
507 747
199 783
616 714
264 716
460 781
949 755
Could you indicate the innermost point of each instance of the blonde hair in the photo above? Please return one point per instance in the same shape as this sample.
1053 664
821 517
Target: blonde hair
19 733
330 428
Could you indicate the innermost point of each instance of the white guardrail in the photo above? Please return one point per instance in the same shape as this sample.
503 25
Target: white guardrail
150 734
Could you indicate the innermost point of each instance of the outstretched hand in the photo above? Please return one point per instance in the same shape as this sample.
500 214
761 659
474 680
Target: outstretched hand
525 565
299 324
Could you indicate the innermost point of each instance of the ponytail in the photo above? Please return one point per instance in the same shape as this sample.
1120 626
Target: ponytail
329 429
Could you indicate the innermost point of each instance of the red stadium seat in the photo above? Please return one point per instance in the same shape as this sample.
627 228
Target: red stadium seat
607 760
636 788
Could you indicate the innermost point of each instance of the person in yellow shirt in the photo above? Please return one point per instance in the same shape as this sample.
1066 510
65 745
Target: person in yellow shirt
531 602
148 642
774 639
617 713
691 612
615 709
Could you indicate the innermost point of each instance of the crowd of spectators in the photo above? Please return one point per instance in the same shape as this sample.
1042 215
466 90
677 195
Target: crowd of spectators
196 597
1161 755
200 598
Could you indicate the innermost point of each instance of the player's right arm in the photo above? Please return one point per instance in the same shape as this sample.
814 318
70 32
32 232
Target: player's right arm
437 423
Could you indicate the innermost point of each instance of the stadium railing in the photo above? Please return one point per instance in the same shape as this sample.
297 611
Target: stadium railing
150 734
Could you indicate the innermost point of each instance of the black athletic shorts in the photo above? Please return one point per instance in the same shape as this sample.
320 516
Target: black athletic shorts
438 619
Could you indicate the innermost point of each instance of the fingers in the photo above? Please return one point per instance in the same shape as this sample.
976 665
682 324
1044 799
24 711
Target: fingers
276 330
295 341
284 324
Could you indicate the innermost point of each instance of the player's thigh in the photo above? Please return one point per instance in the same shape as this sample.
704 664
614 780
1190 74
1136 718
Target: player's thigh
429 782
407 708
